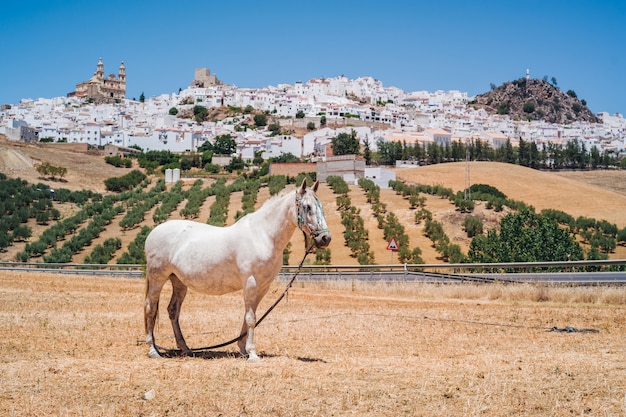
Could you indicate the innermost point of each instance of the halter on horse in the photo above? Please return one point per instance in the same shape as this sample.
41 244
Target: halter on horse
219 260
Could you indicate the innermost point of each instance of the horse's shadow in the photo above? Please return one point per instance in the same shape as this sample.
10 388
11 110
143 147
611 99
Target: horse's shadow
214 354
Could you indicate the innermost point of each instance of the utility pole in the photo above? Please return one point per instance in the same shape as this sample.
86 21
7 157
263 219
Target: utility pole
468 194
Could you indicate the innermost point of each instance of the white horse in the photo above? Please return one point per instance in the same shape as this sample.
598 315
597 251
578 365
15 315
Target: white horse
217 260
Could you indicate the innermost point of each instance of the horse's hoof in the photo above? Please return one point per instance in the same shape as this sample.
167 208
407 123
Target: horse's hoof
253 358
153 353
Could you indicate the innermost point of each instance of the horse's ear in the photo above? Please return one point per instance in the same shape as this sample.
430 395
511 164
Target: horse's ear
317 183
303 187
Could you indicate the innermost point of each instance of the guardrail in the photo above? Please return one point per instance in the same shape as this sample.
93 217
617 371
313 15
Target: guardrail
579 272
120 270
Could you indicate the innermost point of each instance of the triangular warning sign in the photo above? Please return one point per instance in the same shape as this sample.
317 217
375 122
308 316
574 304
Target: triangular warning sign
392 245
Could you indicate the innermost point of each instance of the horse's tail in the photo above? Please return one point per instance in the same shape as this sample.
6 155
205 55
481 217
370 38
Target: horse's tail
145 302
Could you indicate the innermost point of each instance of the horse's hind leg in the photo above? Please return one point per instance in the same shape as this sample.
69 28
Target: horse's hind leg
154 285
179 291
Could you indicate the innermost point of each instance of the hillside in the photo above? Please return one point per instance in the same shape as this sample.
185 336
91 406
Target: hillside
534 99
579 194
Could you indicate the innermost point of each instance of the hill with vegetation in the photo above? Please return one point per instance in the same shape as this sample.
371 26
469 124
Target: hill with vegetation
89 223
534 99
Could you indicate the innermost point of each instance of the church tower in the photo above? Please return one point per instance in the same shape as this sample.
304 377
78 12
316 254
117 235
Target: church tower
122 73
100 71
101 89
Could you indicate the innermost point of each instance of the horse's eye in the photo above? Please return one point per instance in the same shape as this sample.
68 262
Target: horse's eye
308 208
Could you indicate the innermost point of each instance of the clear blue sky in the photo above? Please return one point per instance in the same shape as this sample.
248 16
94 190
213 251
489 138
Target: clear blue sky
49 46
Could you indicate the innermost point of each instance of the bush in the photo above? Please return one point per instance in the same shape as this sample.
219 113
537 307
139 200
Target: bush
212 168
464 206
125 182
276 183
260 120
473 226
117 161
529 107
560 216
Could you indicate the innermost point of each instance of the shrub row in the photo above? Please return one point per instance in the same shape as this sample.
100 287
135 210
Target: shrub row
248 200
450 252
169 201
135 253
125 182
118 161
141 203
355 234
195 198
392 228
103 253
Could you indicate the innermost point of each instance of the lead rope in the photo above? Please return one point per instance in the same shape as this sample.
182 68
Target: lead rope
176 352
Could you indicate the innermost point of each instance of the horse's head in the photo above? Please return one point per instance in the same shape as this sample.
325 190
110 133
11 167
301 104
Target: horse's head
310 214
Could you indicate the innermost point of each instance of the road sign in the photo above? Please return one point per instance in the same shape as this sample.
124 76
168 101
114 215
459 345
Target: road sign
393 245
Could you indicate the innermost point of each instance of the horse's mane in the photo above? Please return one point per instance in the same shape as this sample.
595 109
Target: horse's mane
272 202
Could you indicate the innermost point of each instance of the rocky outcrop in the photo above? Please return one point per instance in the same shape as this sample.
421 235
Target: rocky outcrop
534 99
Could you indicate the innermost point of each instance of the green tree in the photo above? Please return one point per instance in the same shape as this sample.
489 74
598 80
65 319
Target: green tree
322 256
21 233
260 120
595 159
286 254
224 145
529 107
526 237
300 114
367 153
274 128
345 144
285 157
173 111
258 158
212 168
236 164
200 113
473 226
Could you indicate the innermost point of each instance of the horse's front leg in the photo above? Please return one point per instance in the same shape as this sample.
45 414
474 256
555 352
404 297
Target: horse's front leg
250 298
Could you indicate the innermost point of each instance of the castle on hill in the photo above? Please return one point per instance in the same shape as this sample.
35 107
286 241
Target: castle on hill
204 78
100 89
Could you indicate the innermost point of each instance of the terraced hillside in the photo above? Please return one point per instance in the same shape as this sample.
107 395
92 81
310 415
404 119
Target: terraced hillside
443 211
599 195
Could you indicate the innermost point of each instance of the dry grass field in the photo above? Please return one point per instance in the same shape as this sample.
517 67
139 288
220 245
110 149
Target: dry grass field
69 348
597 194
70 342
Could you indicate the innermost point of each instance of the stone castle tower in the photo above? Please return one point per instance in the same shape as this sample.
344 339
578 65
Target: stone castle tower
103 89
202 77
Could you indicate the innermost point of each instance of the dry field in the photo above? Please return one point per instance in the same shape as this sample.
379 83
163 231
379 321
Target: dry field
70 349
598 194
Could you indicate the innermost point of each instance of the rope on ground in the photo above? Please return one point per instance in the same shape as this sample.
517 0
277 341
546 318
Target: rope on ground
570 329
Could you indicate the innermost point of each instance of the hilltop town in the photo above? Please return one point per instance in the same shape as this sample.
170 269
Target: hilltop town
309 114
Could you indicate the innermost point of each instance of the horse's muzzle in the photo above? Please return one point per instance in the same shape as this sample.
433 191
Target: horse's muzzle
322 240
